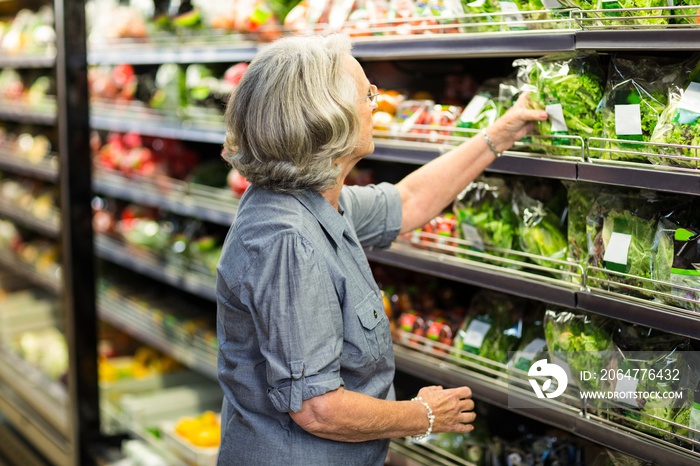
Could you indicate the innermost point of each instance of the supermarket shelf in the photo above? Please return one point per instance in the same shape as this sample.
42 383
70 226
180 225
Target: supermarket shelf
418 153
33 428
639 40
483 275
218 207
677 181
130 119
185 51
46 171
12 262
47 398
43 59
120 254
557 415
666 318
403 452
109 311
464 45
17 111
50 227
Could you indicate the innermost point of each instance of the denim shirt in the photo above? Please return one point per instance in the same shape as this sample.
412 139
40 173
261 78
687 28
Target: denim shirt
299 315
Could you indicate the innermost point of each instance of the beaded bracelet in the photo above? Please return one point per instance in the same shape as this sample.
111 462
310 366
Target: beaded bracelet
489 142
431 419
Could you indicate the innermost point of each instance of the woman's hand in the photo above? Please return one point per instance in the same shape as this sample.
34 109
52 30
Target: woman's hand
518 121
453 408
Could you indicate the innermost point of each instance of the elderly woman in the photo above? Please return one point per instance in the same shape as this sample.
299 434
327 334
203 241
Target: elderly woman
306 360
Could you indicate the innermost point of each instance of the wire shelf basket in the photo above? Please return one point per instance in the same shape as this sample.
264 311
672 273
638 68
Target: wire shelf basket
624 152
662 17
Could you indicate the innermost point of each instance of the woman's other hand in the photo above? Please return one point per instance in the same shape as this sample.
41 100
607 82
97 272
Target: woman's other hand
453 408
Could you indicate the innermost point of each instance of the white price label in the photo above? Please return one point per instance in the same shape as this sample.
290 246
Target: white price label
474 108
552 4
532 348
512 15
471 235
475 334
691 98
628 120
625 389
618 248
556 116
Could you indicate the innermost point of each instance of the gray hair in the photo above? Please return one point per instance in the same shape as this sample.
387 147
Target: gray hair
293 114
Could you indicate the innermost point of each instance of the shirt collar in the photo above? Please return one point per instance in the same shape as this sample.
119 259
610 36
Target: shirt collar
324 212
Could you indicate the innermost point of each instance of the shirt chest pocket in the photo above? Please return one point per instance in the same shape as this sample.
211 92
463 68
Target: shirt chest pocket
374 325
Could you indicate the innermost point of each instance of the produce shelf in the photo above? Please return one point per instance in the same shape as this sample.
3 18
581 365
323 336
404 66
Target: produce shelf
47 170
407 453
148 264
512 162
123 313
29 59
556 414
480 274
223 48
50 226
32 426
464 45
139 119
10 261
656 315
190 200
44 114
638 40
47 398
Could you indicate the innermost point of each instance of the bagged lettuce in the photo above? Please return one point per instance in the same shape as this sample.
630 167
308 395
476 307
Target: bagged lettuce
679 122
581 197
641 352
483 109
485 217
570 87
539 230
635 96
579 342
493 326
676 260
630 18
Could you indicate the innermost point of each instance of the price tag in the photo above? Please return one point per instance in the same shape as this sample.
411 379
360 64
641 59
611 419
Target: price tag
512 15
471 235
691 98
628 120
617 249
556 116
624 391
474 336
532 348
474 108
552 4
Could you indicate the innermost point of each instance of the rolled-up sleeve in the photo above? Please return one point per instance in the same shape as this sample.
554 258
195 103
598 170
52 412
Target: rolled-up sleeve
375 212
297 320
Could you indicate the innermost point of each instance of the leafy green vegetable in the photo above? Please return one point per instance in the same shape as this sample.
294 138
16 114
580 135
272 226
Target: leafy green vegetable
572 81
485 216
581 197
681 15
680 125
538 231
474 9
648 349
493 326
634 85
625 18
582 341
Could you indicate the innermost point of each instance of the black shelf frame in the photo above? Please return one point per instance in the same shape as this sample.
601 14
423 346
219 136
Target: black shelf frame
45 227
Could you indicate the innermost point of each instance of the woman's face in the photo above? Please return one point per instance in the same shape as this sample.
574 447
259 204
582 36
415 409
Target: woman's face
365 108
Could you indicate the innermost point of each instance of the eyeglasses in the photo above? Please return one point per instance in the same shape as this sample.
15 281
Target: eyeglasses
372 96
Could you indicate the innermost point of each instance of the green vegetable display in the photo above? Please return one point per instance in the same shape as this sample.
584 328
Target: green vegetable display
485 216
635 96
480 23
571 85
622 19
679 122
686 15
641 348
581 341
493 326
538 230
581 197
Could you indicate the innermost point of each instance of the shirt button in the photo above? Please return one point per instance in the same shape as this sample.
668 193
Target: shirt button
375 313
